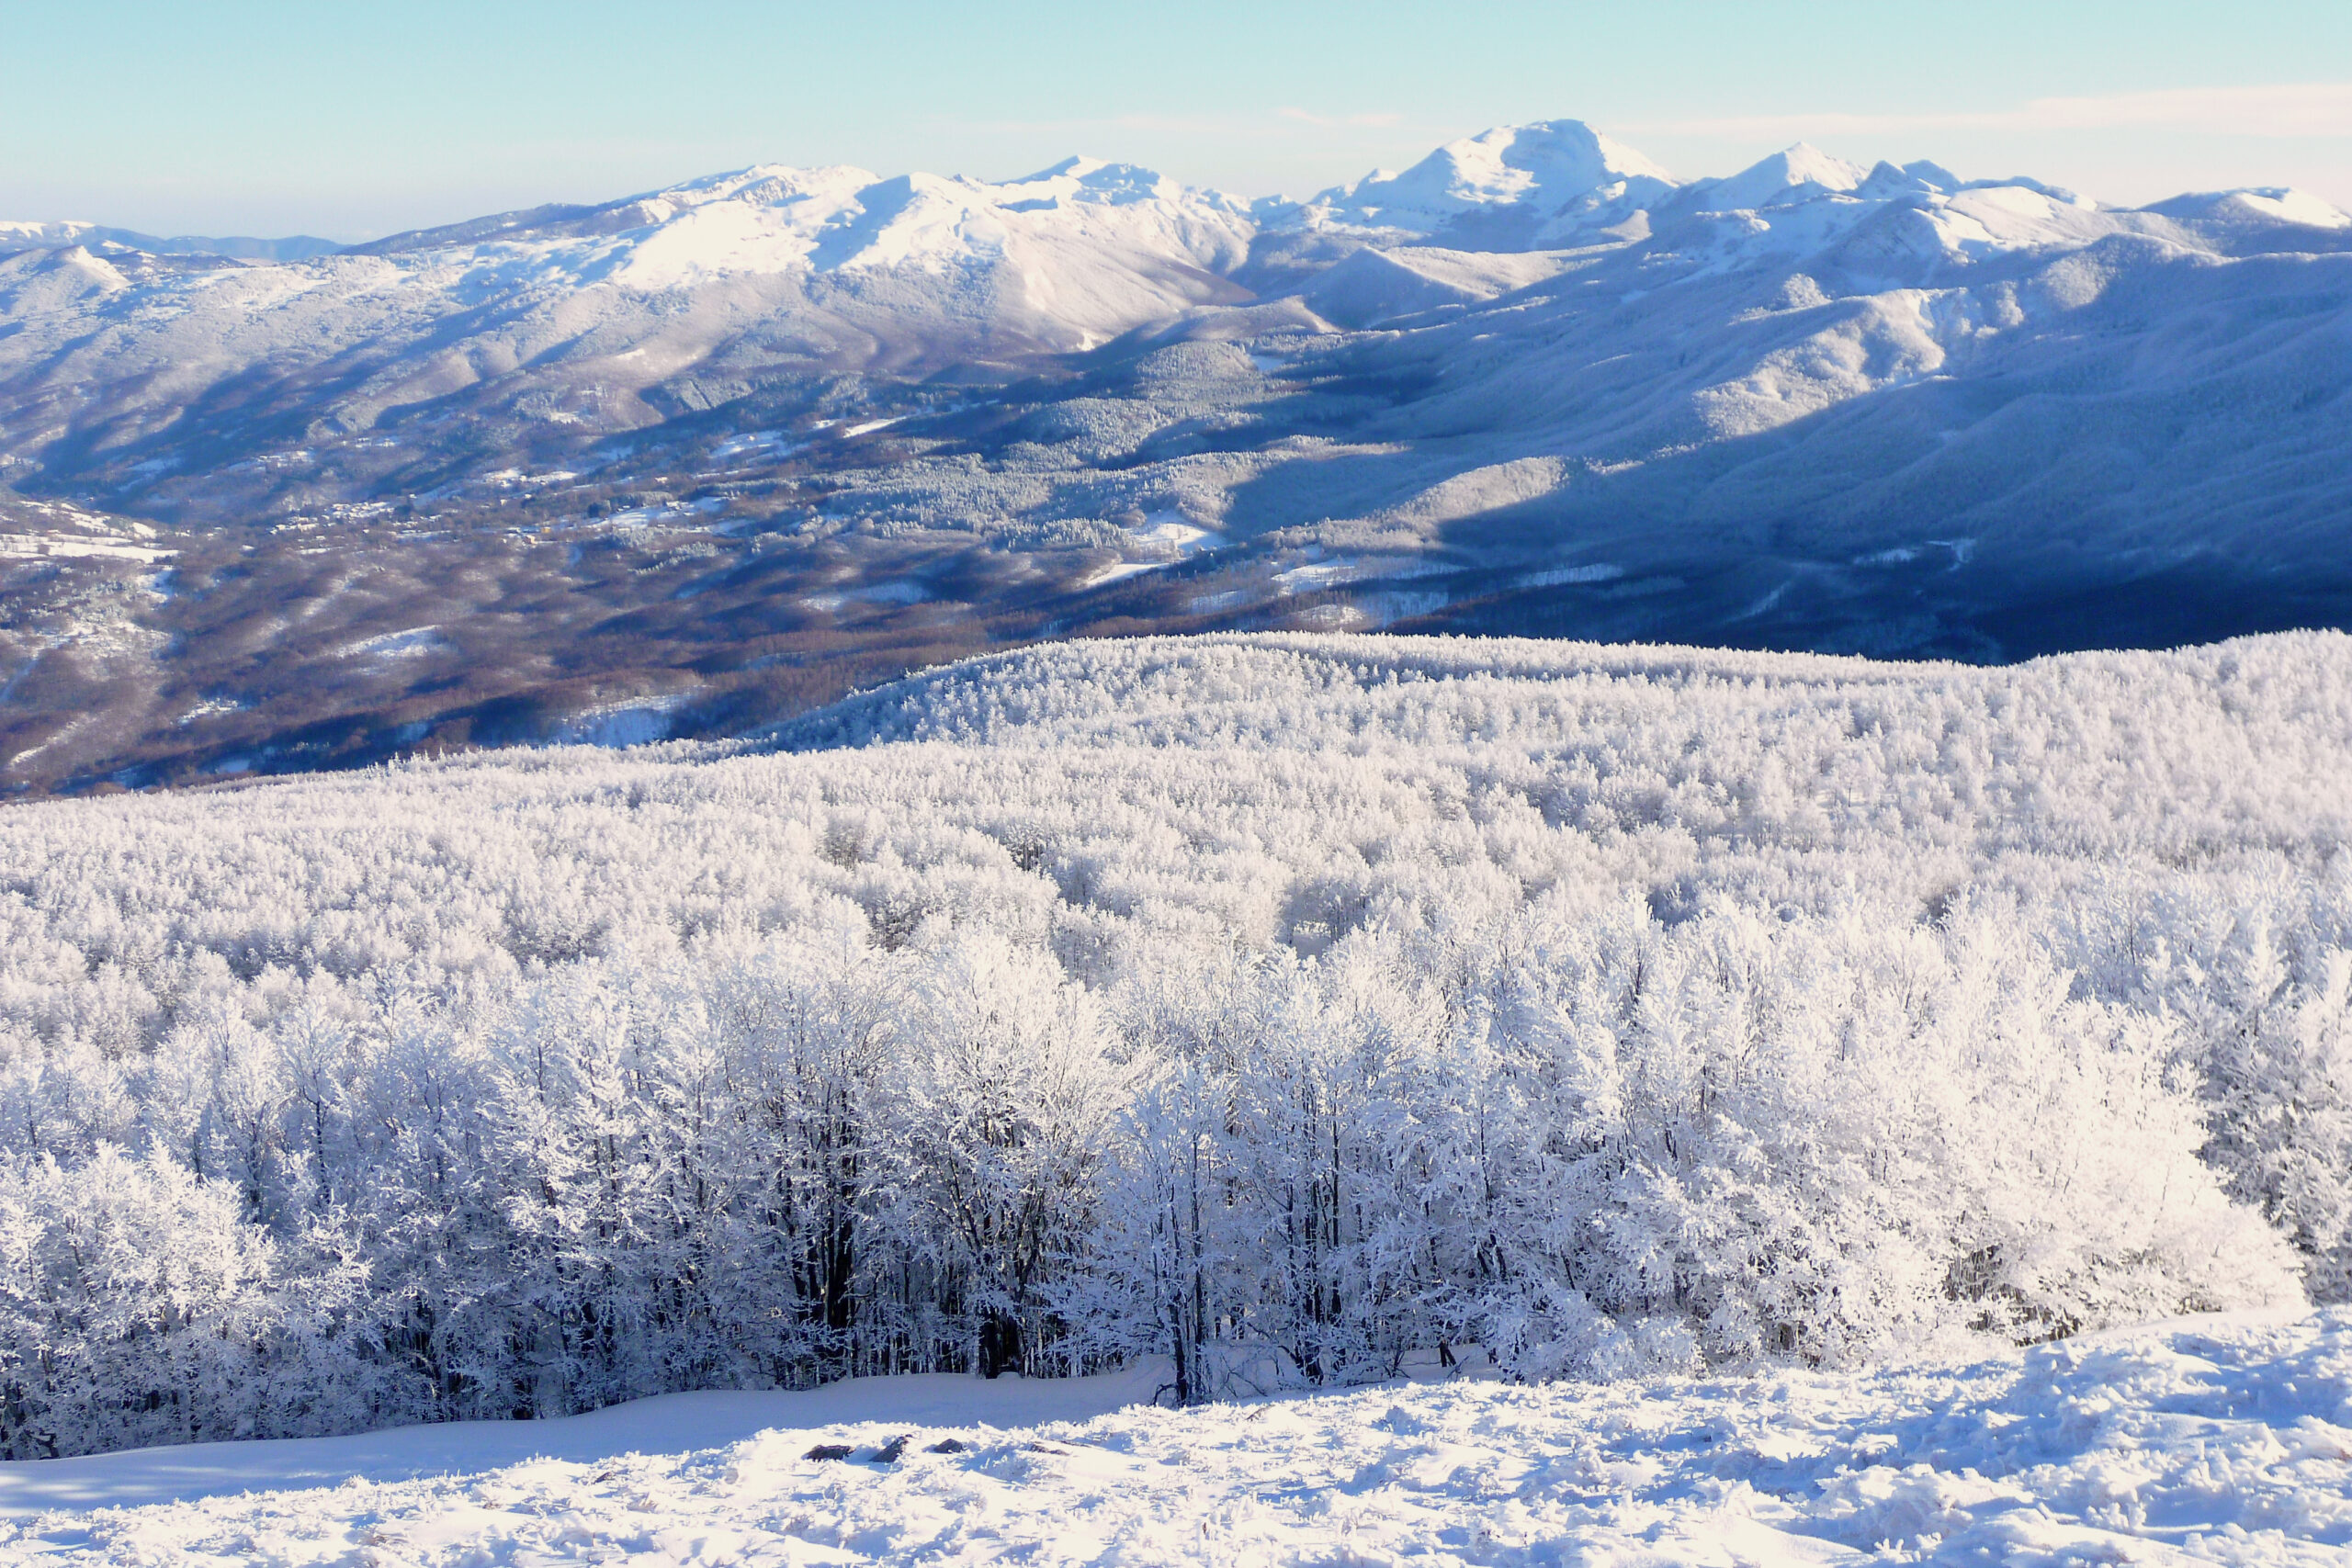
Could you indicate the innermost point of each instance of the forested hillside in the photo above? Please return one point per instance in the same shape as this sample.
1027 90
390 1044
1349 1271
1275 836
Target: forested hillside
1285 1006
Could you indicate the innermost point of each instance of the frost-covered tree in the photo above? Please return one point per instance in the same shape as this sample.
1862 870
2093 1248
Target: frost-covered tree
1002 1114
1288 1008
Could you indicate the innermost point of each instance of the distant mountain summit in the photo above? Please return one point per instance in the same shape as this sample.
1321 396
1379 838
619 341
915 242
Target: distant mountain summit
1797 173
776 220
241 247
1511 188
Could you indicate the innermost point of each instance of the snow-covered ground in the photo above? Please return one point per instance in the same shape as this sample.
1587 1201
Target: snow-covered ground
2218 1439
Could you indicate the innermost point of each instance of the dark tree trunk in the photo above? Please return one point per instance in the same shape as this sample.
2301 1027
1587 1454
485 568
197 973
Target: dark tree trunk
1000 1346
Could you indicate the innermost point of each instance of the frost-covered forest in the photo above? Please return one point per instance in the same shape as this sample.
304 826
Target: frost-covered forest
1280 1006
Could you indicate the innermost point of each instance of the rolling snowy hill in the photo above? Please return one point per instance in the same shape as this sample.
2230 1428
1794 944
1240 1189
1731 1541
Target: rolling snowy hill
788 430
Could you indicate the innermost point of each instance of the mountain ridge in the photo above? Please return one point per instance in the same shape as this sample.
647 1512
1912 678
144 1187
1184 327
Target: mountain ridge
1546 165
701 456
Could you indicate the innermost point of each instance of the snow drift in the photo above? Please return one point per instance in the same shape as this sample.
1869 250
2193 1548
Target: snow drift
2222 1440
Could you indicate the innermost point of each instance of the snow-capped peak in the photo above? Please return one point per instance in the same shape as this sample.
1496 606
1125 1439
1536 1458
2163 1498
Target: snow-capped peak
1108 182
825 192
769 183
1526 174
2255 206
1919 178
1795 174
27 236
2287 205
773 219
1518 162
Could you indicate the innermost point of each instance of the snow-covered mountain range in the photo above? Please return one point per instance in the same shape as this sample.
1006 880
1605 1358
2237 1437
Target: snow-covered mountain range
613 316
1533 382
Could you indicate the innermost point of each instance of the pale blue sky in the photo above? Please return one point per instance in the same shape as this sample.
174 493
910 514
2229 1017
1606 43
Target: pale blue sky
351 120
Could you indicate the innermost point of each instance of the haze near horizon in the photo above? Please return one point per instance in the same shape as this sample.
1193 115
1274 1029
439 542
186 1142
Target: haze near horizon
270 118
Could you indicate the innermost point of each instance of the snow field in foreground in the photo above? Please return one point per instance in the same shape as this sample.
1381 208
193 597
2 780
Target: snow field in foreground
2220 1439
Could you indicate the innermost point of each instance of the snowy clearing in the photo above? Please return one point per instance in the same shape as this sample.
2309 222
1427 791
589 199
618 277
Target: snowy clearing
2221 1440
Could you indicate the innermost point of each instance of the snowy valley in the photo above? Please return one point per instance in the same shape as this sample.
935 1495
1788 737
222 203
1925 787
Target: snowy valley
711 455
